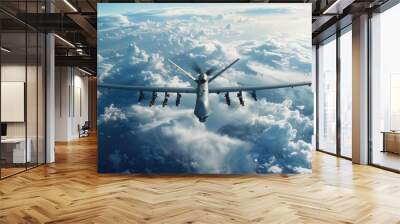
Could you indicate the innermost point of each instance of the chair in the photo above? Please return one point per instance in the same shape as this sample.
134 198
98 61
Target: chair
84 130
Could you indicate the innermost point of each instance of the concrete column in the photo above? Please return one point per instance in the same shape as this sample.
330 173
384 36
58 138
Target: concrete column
50 99
360 90
50 92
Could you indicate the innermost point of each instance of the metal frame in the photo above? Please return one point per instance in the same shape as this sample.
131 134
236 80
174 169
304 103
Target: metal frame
26 88
338 98
0 89
316 97
369 78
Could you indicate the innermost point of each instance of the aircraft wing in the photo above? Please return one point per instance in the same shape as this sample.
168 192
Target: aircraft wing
254 88
150 88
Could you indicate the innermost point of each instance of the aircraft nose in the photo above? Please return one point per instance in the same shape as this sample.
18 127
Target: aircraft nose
202 119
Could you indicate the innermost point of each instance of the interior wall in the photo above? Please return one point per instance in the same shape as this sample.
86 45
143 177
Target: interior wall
80 109
15 73
61 103
71 102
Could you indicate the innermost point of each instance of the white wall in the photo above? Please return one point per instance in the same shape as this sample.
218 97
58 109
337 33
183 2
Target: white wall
17 73
12 73
61 103
81 108
71 102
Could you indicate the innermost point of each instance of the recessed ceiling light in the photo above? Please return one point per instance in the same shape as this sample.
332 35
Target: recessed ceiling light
84 71
338 6
5 50
70 5
65 41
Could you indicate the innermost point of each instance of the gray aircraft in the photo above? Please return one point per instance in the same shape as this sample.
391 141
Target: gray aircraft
202 109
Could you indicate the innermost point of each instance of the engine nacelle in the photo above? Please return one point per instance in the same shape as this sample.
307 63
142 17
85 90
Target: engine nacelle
253 94
227 99
165 102
178 99
141 96
240 96
153 99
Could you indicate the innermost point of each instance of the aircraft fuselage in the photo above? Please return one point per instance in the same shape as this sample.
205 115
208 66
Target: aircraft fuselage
202 109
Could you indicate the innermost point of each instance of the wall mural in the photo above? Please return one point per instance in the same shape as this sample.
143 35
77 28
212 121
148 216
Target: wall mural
204 88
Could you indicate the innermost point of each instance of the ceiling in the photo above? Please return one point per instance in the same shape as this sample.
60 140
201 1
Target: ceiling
75 21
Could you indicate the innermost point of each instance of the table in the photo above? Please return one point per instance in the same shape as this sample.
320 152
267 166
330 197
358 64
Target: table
391 141
13 150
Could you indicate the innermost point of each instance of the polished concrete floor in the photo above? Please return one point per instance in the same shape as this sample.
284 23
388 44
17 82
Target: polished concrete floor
71 191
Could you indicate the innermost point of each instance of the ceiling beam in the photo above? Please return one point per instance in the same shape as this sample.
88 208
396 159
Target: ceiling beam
78 61
338 6
49 22
320 22
86 27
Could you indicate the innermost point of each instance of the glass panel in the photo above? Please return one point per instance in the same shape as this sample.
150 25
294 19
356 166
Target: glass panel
327 96
346 94
13 87
32 87
41 99
386 89
31 98
23 88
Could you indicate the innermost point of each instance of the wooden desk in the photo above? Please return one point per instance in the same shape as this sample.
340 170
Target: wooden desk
13 150
391 141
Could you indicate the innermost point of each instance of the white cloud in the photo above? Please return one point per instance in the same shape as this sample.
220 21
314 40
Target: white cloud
104 70
137 55
208 149
112 113
275 169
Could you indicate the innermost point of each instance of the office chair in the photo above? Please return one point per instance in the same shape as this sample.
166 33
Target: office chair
84 130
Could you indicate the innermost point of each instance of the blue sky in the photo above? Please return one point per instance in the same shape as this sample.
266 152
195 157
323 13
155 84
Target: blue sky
272 135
